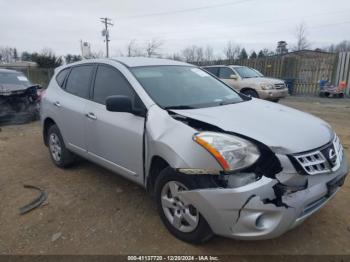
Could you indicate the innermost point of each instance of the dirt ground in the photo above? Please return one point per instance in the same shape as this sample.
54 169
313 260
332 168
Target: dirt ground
92 211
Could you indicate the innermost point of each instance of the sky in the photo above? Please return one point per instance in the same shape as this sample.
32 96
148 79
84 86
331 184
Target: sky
33 25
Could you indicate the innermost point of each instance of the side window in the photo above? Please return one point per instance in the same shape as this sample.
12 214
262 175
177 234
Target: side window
78 82
61 76
108 82
213 70
225 72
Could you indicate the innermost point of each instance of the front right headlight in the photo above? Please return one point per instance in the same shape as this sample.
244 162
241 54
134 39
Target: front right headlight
232 152
266 86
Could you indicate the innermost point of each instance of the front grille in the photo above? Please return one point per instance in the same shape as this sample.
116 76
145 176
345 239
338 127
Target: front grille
323 160
280 86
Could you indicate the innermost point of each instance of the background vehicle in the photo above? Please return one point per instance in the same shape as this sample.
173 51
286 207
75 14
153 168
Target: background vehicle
19 98
215 161
250 82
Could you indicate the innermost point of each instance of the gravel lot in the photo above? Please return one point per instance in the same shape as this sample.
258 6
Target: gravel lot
92 211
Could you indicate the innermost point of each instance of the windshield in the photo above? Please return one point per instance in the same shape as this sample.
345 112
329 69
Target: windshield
247 72
184 87
10 78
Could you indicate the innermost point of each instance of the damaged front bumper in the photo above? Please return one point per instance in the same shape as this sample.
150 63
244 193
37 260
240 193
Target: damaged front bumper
250 212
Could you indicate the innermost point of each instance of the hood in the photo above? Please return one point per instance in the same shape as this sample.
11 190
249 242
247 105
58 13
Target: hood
283 129
263 80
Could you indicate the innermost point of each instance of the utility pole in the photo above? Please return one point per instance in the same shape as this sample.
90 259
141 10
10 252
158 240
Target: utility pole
106 21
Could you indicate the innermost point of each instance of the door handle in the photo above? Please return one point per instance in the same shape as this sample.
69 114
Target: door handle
91 116
58 104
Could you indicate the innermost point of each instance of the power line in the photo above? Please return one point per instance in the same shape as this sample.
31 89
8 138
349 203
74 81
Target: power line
185 10
106 21
264 22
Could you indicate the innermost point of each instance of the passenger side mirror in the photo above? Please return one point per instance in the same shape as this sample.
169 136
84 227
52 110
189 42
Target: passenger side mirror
119 104
234 77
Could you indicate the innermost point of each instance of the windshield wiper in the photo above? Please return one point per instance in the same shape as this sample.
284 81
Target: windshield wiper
178 107
228 102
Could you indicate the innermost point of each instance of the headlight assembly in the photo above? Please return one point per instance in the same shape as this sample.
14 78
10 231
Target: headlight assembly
232 152
266 86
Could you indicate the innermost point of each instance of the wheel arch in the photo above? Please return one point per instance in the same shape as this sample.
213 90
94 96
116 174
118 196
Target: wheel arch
157 164
48 122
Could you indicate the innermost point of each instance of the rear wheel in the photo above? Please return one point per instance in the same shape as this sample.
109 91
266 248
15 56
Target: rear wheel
182 219
250 93
60 155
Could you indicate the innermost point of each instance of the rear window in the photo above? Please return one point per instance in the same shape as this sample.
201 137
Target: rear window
78 82
14 78
61 76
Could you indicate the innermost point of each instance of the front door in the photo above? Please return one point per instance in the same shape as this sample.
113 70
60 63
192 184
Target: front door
115 139
225 74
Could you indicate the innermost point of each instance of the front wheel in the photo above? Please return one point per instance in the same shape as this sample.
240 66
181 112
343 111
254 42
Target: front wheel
250 93
182 219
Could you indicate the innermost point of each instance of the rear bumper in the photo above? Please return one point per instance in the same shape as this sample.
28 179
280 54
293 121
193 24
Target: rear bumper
273 93
247 213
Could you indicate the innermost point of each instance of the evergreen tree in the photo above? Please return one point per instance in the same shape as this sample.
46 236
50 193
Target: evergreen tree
243 54
253 55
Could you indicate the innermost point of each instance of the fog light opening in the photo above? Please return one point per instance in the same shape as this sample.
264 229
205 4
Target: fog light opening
260 221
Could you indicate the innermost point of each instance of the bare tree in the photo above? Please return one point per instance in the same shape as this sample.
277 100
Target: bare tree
229 51
189 53
7 54
343 46
199 54
301 36
153 46
232 51
133 49
208 53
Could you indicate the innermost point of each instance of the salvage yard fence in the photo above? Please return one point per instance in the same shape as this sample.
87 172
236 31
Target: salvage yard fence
304 69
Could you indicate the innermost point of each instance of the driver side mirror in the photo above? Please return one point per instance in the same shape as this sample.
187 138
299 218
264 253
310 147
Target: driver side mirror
234 77
122 104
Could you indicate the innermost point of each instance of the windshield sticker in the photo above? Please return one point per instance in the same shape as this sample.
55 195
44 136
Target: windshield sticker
199 72
22 78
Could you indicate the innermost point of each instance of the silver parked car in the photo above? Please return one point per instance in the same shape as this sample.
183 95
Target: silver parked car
215 161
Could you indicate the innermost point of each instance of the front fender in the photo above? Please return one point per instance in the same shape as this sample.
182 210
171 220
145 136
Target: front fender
172 140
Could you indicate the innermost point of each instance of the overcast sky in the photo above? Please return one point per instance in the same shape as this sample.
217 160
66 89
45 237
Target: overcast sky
255 24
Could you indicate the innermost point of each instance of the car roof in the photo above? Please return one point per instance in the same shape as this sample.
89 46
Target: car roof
145 61
128 62
9 71
223 66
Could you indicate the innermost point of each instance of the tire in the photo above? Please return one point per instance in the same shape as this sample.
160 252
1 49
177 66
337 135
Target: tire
250 93
59 154
275 100
200 231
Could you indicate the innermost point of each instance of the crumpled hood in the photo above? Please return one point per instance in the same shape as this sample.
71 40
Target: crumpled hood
12 87
283 129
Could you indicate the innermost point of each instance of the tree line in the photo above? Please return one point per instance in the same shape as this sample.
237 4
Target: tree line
193 53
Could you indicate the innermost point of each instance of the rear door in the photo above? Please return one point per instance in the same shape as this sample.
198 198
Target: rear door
72 107
115 139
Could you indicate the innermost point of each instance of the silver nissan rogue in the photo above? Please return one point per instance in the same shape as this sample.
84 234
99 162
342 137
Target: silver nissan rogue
215 161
